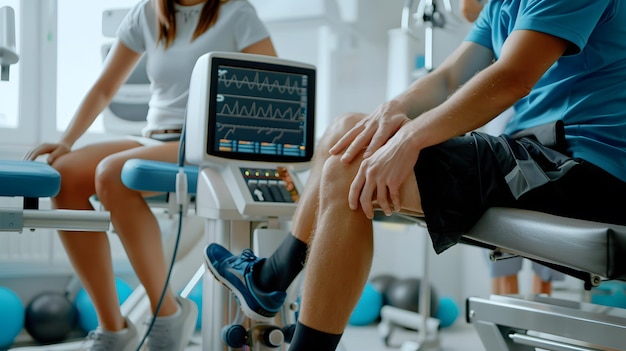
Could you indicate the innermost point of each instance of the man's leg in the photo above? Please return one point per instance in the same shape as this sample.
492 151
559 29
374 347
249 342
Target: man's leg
282 267
339 260
342 251
258 296
338 265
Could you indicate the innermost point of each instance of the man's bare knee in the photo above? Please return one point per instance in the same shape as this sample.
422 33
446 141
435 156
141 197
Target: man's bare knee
336 179
338 128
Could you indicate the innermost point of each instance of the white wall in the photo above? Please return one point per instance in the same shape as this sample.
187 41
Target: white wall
346 40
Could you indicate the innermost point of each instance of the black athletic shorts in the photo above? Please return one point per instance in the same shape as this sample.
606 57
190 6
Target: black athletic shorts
462 177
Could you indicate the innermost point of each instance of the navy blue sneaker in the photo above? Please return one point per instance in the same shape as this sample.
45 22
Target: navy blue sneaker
235 272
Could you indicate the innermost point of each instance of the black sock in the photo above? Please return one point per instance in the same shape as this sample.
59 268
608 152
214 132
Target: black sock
309 339
279 270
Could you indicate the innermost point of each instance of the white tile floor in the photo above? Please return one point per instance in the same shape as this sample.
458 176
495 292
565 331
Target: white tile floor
458 337
461 336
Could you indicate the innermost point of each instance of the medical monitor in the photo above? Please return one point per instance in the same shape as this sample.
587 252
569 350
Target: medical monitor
250 108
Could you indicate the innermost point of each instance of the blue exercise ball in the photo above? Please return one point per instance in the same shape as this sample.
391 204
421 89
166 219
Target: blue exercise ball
87 317
11 316
195 295
610 293
368 308
50 317
447 312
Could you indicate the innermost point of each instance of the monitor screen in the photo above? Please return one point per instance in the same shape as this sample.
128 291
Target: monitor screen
260 110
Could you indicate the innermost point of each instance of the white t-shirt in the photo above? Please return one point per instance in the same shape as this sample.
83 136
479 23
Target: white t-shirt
169 70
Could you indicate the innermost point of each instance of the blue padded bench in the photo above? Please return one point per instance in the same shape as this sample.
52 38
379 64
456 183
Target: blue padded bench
28 179
157 176
33 180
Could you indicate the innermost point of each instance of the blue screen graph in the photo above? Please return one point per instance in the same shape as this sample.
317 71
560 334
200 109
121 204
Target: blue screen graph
262 112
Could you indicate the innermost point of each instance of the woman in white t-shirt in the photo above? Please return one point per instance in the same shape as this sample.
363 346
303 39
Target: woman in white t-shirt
172 35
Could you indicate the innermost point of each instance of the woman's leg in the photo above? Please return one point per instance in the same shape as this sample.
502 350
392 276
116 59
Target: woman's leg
89 252
135 222
305 217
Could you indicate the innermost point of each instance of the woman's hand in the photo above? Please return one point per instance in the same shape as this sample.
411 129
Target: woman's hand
371 132
380 176
54 150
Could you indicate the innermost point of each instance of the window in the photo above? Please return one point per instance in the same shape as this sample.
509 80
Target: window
9 89
19 97
79 53
59 45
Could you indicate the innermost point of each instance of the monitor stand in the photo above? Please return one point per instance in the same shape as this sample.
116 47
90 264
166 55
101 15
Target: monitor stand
245 205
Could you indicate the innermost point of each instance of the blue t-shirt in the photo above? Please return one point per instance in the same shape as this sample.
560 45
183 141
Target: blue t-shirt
585 89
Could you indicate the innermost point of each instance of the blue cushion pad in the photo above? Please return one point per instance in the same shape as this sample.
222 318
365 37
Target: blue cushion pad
28 179
158 176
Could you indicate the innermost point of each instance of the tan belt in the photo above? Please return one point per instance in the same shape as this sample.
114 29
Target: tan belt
164 131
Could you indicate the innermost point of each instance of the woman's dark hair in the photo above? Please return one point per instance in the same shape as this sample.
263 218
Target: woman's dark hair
166 19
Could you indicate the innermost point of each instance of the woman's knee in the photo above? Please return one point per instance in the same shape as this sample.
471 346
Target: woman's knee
77 181
108 177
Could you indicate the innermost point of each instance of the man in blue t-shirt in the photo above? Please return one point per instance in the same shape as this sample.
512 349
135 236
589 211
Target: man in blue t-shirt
561 64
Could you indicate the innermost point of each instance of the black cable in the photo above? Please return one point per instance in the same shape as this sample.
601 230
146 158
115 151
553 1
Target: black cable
181 163
181 145
169 273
